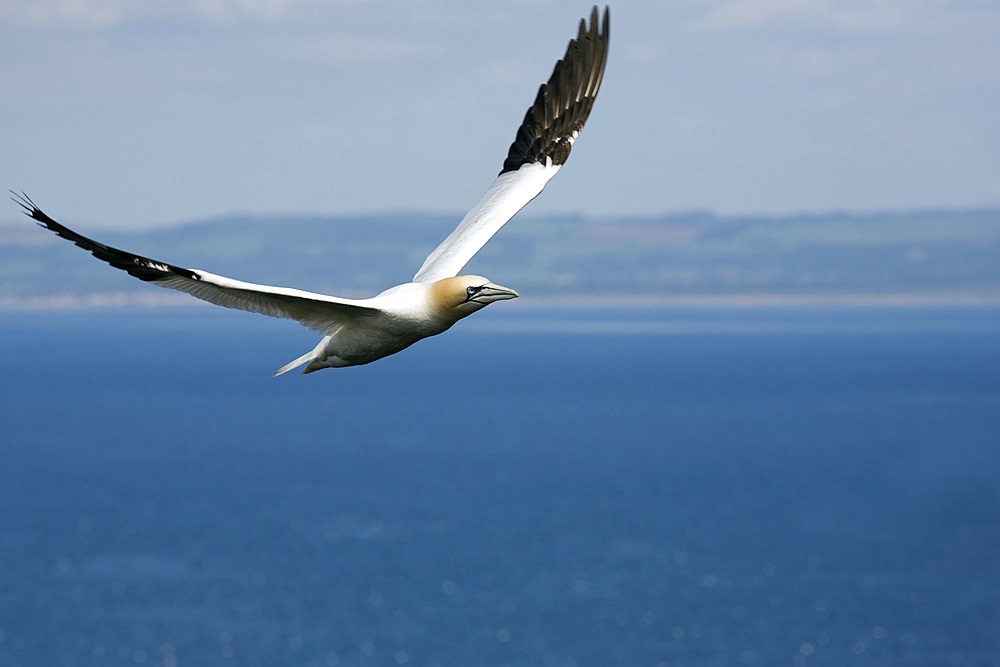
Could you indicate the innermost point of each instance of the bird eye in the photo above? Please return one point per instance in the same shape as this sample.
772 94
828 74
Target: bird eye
472 290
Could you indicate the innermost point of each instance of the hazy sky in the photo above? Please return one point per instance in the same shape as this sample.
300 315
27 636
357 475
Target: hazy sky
135 113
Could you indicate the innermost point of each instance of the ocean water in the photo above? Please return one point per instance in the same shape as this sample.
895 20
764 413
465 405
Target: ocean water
662 487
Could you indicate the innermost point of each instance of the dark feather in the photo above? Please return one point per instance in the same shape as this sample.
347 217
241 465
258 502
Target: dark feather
142 268
564 101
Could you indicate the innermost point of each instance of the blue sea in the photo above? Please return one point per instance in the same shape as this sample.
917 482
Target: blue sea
621 487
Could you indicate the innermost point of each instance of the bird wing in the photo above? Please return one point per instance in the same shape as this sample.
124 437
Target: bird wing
540 148
317 311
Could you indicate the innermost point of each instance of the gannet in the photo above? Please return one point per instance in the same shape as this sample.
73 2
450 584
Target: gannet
359 331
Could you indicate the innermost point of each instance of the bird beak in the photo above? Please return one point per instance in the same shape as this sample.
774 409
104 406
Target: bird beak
490 293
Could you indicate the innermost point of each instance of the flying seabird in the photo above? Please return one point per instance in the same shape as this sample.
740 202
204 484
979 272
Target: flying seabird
359 331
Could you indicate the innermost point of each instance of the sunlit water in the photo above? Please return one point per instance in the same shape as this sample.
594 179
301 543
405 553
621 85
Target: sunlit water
637 487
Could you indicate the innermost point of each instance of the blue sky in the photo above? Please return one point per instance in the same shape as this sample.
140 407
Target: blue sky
119 113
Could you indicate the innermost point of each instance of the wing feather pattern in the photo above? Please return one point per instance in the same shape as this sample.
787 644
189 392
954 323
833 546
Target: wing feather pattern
540 148
317 311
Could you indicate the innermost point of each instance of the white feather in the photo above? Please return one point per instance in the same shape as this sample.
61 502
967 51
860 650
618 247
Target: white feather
319 312
509 193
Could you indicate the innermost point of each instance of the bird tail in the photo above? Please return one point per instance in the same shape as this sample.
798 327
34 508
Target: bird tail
305 358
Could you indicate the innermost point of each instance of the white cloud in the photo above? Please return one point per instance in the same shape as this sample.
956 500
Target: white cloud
851 15
72 13
339 49
645 52
100 14
259 10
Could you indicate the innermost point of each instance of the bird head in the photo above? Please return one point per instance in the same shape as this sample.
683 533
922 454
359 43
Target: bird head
463 295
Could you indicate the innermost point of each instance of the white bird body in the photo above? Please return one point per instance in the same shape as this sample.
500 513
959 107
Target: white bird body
398 318
359 331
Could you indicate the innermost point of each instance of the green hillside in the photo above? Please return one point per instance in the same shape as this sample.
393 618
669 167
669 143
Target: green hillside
946 255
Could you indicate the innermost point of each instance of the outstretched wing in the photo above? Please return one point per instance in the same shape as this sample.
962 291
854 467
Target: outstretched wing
542 145
317 311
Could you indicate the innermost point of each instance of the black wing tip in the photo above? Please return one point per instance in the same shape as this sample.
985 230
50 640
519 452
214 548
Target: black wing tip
21 199
563 103
32 211
30 208
143 268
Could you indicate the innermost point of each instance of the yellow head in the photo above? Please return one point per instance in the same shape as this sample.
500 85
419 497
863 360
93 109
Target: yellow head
463 295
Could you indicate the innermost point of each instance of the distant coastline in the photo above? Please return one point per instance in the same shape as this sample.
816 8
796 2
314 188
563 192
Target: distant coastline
692 259
568 302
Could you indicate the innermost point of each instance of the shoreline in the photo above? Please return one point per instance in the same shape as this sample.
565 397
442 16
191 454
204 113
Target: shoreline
565 302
